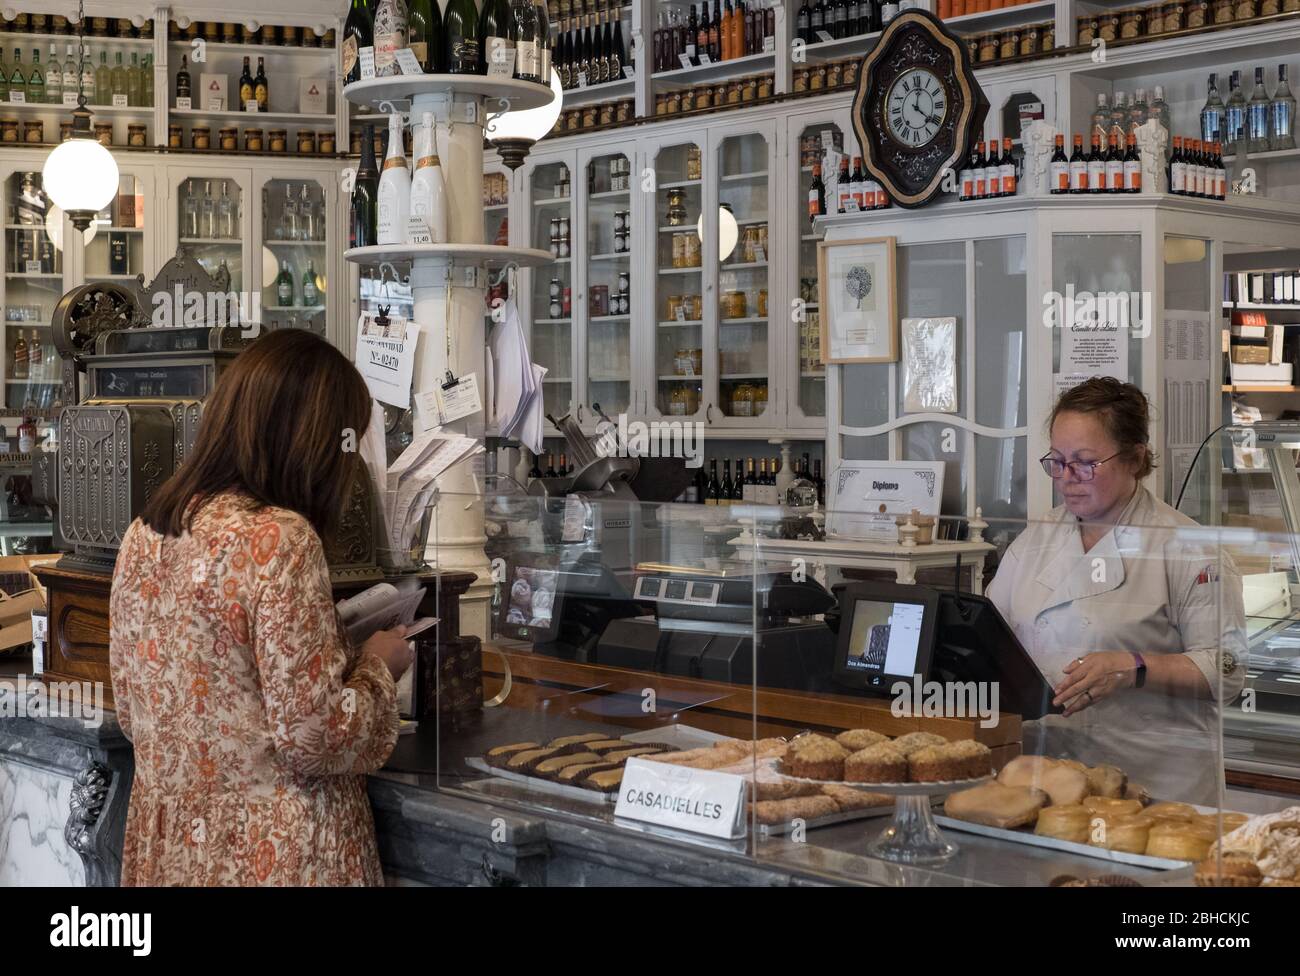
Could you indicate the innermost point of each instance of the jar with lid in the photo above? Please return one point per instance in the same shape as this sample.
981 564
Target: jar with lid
834 75
624 282
1108 27
104 133
624 112
175 136
34 132
678 402
137 135
278 140
1048 39
704 97
1132 23
254 141
1008 44
606 113
1196 13
694 163
765 86
674 103
556 305
677 205
661 105
750 91
688 100
1290 6
1245 10
1224 11
1028 41
228 138
306 141
200 136
988 48
801 80
1085 29
692 250
1267 8
9 130
818 80
325 142
742 400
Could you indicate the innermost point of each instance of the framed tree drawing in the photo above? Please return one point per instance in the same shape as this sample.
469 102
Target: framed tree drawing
855 293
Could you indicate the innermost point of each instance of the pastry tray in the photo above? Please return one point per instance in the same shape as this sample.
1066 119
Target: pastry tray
1069 846
775 830
539 785
938 788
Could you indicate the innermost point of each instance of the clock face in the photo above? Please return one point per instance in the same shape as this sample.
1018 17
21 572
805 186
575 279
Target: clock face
917 106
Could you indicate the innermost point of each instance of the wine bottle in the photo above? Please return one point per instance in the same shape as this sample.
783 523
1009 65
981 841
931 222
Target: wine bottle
394 188
494 44
365 190
1132 166
523 33
261 87
1060 167
392 33
246 93
1114 166
460 38
357 36
618 56
543 42
816 194
1096 167
1078 167
424 26
428 189
284 286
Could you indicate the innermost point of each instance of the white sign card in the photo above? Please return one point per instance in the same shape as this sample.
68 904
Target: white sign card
699 801
930 365
459 400
386 364
367 62
407 62
864 497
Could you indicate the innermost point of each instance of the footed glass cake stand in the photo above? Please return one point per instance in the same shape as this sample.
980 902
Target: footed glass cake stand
912 836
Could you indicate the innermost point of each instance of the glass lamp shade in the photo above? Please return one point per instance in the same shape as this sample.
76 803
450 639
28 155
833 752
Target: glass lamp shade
513 133
80 177
728 231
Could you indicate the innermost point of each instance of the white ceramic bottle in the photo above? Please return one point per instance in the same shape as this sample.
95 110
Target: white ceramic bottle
428 188
394 188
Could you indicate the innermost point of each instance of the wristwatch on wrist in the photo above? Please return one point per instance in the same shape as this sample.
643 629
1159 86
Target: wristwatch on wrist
1141 677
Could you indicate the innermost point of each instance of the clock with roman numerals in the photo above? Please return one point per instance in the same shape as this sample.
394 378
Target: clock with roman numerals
918 109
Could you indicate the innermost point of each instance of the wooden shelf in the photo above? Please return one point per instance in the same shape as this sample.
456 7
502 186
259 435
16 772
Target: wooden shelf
1259 389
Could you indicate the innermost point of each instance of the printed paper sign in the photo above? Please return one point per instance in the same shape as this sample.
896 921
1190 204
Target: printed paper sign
699 801
461 400
386 364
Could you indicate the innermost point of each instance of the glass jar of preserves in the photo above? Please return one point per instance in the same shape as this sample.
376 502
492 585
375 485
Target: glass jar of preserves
572 120
1196 13
679 250
704 97
1132 23
693 252
988 48
306 142
1028 41
200 137
1171 18
694 164
1290 6
817 80
742 400
325 142
801 80
765 86
175 136
1244 10
694 307
104 133
137 135
277 140
834 75
8 130
1008 44
34 132
733 93
676 215
688 100
674 103
850 72
228 138
1047 39
1223 11
1267 8
661 105
254 141
65 131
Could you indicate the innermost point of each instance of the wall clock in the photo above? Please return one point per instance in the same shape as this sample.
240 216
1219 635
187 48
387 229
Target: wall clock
918 109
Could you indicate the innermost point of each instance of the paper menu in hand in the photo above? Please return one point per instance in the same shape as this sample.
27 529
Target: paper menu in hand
383 607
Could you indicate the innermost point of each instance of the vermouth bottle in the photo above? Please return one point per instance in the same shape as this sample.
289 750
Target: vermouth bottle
357 36
392 33
460 38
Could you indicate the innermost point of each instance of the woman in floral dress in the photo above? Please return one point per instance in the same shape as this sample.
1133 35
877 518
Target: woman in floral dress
253 720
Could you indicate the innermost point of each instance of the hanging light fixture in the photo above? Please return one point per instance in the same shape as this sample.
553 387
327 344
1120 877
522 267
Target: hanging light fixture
513 134
728 231
80 175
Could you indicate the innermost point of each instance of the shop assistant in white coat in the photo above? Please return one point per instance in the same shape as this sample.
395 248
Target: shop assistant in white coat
1132 614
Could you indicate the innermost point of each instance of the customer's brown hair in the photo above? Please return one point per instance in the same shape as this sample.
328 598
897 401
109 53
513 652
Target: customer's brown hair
275 428
1124 412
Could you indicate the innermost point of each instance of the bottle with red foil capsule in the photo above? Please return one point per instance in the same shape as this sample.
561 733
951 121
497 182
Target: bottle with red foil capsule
981 178
1115 166
1010 178
1078 167
993 171
1132 166
1060 167
862 196
1096 166
816 194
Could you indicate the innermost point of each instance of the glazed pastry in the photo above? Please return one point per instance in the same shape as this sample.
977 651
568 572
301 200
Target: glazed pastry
553 765
572 774
995 805
1172 811
1179 841
799 808
1062 783
855 740
1106 781
603 745
523 762
881 763
1232 871
1071 822
965 759
814 757
574 740
602 780
910 743
1110 807
765 783
499 755
847 798
1272 841
1122 832
622 755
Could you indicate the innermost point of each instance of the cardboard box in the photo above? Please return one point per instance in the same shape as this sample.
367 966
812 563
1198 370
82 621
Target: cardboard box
313 96
20 594
212 92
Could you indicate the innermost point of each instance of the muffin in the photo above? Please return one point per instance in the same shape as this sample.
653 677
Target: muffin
882 763
965 759
1068 822
855 740
814 757
910 743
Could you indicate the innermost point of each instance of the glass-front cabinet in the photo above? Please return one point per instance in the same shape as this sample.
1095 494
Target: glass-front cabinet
679 302
608 252
739 245
210 204
550 197
122 245
294 275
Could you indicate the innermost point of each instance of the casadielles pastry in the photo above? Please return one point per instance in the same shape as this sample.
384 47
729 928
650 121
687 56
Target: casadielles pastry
573 740
501 754
882 763
603 745
523 762
856 740
814 757
1179 840
603 780
797 808
965 759
847 798
996 805
1068 822
910 743
622 755
572 774
554 764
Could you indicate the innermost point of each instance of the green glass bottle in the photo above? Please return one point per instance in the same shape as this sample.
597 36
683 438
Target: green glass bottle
117 78
4 77
103 81
425 26
36 80
133 81
310 293
17 77
460 38
358 35
284 286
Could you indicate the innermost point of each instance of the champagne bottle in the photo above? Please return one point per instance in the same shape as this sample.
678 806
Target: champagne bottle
425 27
284 286
391 35
523 31
460 38
394 188
428 189
365 191
358 35
494 43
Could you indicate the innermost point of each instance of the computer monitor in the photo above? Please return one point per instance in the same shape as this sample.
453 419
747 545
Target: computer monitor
886 634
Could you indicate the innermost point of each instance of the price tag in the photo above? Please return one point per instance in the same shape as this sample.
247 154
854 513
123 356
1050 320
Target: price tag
119 101
214 104
690 50
760 256
629 71
70 98
582 79
460 400
249 106
417 231
769 45
38 648
40 626
686 61
407 62
471 111
367 62
500 58
575 519
700 801
828 140
17 97
33 265
824 37
184 104
705 59
681 314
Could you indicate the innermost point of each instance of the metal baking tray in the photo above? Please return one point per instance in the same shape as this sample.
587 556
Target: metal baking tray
682 736
776 830
1069 846
539 785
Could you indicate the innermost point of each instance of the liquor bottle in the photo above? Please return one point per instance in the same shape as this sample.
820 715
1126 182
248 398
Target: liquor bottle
460 38
993 171
71 74
1212 113
535 471
618 52
261 87
737 486
134 81
4 77
1096 167
1281 114
699 487
1220 174
424 27
18 369
816 22
587 48
543 19
365 190
392 33
428 188
88 78
816 194
225 213
190 211
724 489
1178 169
980 173
146 81
18 77
1060 167
288 229
35 356
247 94
523 33
817 480
54 78
208 212
550 466
1132 166
394 188
715 32
36 80
103 81
1010 177
1137 113
728 32
284 286
598 66
494 44
1257 116
748 483
358 36
713 490
1234 115
1114 166
803 23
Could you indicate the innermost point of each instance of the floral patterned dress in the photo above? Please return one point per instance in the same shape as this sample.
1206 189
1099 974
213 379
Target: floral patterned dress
254 722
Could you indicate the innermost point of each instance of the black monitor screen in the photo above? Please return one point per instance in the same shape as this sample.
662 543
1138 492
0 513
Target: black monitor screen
528 607
885 637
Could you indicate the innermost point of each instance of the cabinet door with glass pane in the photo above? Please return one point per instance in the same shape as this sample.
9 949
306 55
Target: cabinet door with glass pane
211 205
608 252
550 199
679 313
296 216
122 246
34 239
497 181
739 247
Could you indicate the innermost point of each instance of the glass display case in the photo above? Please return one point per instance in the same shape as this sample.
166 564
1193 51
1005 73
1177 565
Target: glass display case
33 285
294 254
803 353
210 221
550 189
608 250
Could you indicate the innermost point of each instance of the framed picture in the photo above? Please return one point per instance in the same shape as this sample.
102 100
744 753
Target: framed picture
858 308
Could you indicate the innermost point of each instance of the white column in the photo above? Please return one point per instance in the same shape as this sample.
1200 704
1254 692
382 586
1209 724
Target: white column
453 335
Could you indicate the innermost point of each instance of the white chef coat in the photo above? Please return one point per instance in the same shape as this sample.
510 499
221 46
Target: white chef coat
1153 584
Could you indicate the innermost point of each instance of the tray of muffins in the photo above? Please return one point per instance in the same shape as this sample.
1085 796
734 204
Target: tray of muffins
863 759
1092 811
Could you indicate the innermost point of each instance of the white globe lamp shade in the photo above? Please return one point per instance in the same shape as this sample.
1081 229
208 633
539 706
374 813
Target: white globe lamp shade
514 133
728 232
80 177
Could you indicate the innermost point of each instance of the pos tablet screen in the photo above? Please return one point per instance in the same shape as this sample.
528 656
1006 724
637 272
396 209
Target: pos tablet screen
886 634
